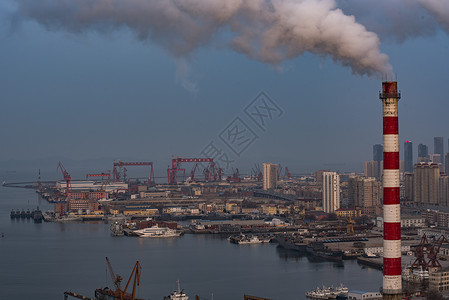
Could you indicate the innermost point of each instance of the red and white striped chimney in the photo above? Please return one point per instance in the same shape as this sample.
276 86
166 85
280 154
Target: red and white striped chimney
392 212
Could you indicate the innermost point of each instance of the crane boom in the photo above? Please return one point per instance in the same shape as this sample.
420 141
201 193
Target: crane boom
115 278
66 176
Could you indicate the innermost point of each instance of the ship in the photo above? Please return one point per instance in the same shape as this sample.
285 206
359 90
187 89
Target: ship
328 292
117 229
157 231
317 249
15 214
246 239
177 295
37 216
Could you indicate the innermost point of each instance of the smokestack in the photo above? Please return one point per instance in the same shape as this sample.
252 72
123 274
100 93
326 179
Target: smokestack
392 211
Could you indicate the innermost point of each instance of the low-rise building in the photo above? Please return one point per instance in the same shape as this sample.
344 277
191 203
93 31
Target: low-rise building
439 280
362 295
348 213
413 221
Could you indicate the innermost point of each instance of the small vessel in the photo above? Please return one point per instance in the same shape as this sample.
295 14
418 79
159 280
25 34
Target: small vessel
14 214
37 216
319 293
328 292
157 231
177 295
117 229
28 214
23 214
246 239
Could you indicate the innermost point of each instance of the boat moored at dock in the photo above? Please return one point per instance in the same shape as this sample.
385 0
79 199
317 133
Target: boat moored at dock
243 239
157 231
117 229
328 292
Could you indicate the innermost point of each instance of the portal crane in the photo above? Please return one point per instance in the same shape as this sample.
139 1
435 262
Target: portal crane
350 226
172 173
433 251
116 279
118 293
66 176
287 174
192 173
235 176
121 164
259 174
420 260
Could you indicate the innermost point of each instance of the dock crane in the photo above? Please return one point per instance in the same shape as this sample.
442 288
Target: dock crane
102 174
117 279
66 176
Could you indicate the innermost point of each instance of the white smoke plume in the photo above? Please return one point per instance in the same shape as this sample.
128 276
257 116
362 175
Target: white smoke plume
439 8
270 31
399 20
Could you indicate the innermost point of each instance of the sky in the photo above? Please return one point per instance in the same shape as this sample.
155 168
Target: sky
135 80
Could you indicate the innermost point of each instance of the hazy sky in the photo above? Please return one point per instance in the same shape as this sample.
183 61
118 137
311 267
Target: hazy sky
129 80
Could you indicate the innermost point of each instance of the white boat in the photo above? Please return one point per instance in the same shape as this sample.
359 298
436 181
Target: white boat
177 295
328 292
157 231
245 239
318 293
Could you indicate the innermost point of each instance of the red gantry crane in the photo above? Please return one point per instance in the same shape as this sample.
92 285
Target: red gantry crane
172 173
121 164
108 175
66 176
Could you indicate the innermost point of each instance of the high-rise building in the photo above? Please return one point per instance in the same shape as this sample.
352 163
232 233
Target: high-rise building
371 168
331 191
270 176
423 153
364 193
446 164
425 183
408 186
378 154
438 147
443 191
408 157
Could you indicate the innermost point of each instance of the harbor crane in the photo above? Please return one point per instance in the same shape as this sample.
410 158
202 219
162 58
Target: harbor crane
172 173
102 174
117 167
119 293
66 176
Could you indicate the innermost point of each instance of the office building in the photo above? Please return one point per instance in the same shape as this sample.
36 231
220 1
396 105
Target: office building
423 153
438 147
408 157
425 183
270 176
331 192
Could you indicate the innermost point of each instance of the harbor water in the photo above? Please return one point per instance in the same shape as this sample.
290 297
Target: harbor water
42 260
